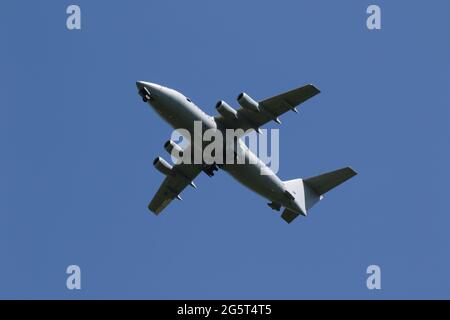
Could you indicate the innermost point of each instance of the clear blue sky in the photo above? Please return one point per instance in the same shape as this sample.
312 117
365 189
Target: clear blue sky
77 149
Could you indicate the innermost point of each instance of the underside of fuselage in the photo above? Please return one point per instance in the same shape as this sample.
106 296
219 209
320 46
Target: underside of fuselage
181 113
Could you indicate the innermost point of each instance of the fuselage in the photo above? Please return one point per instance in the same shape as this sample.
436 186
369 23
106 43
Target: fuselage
180 112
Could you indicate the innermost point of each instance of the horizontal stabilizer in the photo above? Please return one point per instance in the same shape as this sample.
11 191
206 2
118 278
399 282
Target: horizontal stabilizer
323 183
307 192
289 215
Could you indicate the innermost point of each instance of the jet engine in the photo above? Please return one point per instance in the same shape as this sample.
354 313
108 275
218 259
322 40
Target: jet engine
247 102
162 166
173 149
225 110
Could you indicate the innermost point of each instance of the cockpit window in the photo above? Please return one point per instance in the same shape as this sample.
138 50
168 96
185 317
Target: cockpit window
188 99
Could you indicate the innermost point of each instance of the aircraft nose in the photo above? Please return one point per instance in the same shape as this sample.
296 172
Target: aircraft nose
152 87
147 90
140 84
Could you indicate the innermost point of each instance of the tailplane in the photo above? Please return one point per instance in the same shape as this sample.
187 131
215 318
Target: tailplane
307 192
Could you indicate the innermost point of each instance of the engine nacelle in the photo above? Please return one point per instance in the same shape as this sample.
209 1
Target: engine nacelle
162 166
225 110
173 149
248 103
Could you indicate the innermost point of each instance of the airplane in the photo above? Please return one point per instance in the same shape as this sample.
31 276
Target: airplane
296 196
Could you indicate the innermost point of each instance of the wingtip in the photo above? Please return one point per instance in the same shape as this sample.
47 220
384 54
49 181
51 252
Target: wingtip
314 88
155 211
352 172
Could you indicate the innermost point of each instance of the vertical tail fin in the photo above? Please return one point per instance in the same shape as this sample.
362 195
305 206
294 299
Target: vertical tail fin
307 192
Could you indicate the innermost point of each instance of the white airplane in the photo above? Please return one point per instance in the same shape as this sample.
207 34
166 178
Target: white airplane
296 196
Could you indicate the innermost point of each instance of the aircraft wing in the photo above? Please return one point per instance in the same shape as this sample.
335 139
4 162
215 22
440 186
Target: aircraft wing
269 109
175 182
